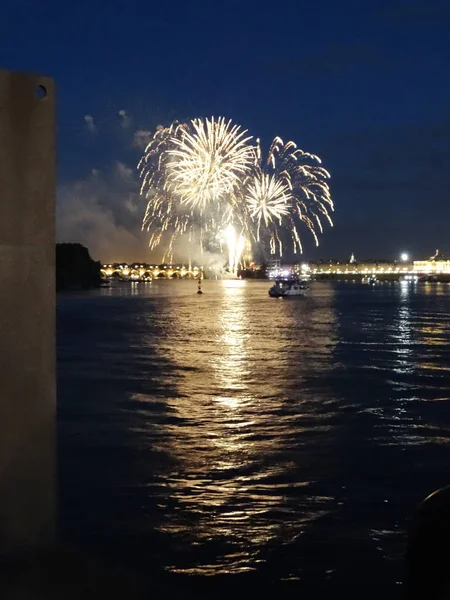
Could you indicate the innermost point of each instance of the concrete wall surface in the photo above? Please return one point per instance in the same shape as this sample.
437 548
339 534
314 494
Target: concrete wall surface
27 312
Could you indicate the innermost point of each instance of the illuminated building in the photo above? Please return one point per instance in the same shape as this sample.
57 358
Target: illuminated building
434 265
352 267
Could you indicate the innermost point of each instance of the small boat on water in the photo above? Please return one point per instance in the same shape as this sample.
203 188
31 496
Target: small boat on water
284 288
410 278
370 279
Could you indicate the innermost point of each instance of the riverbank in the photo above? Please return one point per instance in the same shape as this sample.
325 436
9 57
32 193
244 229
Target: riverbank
389 277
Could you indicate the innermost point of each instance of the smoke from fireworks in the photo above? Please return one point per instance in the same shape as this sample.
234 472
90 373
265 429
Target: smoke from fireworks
206 177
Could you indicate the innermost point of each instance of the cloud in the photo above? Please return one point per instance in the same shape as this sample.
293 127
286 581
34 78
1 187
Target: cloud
104 212
124 174
121 129
125 119
141 138
90 124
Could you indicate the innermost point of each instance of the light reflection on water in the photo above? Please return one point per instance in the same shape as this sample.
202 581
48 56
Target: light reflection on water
247 433
238 410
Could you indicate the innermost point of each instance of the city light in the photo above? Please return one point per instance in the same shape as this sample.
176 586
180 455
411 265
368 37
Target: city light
404 256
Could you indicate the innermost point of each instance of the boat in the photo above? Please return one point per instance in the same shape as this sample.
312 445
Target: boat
284 288
411 278
370 279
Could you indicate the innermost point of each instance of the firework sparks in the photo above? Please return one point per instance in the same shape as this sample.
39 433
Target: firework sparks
269 198
208 161
205 176
188 174
289 187
235 244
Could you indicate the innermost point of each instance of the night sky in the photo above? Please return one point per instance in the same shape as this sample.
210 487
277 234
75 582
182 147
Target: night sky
366 85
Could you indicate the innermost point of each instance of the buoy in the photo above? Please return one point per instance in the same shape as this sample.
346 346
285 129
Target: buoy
199 289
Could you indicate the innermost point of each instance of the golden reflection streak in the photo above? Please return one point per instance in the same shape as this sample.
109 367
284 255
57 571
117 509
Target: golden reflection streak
228 447
403 335
422 332
432 331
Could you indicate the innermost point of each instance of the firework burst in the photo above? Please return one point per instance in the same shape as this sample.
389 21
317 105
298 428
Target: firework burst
288 187
207 161
206 177
268 198
188 175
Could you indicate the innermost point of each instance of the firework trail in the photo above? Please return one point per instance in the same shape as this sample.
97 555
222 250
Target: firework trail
288 187
235 243
204 178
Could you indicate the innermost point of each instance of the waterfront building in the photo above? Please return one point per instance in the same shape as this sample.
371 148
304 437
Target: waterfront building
274 268
352 267
435 265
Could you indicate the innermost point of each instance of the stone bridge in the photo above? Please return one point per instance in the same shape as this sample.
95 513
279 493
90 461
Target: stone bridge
145 271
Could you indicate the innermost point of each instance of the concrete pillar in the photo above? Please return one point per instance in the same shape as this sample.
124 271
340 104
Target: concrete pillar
27 312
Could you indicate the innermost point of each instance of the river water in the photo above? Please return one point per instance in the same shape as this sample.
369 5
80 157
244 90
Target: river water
281 442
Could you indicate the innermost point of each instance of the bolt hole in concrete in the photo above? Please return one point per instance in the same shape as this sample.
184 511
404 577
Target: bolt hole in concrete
41 91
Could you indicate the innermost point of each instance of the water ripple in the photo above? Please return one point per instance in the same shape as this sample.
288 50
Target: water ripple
230 433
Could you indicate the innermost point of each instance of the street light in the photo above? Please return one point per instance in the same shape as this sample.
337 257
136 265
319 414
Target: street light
404 257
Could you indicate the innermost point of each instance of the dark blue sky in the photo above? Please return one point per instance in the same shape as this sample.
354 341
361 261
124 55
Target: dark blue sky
366 85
